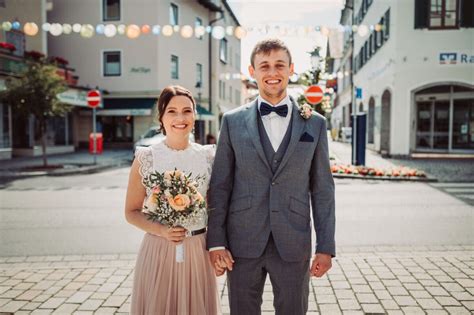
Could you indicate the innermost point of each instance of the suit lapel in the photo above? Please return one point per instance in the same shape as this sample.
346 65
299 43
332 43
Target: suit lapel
298 124
252 126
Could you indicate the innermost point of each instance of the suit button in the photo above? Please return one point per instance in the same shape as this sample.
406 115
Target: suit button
275 161
273 183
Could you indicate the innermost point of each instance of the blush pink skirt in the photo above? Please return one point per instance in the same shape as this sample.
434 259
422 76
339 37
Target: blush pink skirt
163 286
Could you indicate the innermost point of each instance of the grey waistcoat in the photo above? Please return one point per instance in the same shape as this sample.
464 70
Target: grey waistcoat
273 158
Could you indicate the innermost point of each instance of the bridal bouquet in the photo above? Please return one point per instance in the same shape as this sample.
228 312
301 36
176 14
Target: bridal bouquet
174 200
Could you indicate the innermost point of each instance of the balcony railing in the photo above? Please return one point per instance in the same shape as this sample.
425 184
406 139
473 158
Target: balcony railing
12 65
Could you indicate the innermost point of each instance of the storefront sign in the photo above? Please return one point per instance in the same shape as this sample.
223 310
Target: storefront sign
74 97
139 70
124 112
456 58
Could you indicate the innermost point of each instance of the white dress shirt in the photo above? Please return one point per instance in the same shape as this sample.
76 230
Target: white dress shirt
275 126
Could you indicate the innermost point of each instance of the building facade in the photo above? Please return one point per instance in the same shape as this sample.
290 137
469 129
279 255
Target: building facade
132 72
19 135
416 75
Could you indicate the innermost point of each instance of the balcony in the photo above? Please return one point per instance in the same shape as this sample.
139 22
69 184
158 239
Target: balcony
11 65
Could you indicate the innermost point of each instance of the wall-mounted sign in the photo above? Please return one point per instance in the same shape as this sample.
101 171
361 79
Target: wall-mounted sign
139 70
456 58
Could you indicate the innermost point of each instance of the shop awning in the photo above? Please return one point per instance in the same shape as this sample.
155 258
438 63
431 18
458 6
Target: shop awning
127 107
204 114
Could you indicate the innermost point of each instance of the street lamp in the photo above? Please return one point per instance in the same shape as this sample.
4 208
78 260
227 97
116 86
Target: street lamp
315 64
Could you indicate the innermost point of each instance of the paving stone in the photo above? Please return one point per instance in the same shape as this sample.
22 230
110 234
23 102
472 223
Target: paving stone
91 305
457 310
447 301
118 300
29 295
52 303
412 310
404 300
66 309
429 304
390 304
12 306
79 297
373 308
351 304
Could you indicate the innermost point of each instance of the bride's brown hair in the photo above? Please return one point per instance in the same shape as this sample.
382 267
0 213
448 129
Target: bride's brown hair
165 97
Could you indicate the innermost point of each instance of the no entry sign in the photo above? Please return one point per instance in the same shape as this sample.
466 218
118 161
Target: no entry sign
93 98
314 94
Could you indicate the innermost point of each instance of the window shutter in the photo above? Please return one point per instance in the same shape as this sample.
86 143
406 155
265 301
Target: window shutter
467 13
422 12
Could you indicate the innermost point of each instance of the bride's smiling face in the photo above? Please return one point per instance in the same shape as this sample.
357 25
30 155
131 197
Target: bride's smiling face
179 116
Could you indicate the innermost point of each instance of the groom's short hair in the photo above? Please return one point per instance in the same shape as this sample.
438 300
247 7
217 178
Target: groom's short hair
266 46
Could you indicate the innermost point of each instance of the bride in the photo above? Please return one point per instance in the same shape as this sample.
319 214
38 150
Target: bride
162 283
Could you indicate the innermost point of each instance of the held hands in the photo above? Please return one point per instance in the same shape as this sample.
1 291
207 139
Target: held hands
321 264
221 260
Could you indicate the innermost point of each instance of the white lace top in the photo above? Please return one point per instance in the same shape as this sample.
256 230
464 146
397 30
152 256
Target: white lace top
196 159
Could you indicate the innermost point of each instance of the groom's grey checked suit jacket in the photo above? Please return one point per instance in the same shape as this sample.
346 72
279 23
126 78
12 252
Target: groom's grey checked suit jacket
249 200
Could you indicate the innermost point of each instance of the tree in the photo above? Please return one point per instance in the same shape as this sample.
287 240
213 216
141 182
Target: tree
35 93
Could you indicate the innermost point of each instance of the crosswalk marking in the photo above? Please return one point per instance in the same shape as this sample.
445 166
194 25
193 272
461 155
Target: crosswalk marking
459 190
462 191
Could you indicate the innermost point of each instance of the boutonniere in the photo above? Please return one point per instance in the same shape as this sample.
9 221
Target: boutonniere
306 111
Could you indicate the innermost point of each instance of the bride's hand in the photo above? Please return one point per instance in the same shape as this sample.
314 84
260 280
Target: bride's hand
173 234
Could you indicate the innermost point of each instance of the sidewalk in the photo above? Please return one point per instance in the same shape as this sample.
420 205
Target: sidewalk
363 280
78 162
444 170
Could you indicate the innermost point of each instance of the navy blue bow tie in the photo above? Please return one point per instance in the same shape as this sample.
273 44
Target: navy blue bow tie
266 109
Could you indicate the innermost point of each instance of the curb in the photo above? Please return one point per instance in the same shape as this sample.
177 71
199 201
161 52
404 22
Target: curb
387 178
64 172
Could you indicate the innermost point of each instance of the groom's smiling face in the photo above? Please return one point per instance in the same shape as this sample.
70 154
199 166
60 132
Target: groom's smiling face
272 72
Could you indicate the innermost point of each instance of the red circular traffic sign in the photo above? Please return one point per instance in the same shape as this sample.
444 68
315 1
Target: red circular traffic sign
93 98
314 94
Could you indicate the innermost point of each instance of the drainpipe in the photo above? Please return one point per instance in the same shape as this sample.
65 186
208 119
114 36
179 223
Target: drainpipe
210 62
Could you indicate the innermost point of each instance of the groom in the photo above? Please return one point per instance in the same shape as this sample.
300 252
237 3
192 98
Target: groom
271 169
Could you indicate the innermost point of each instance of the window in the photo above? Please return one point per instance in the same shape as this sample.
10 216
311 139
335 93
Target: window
223 90
237 97
230 93
366 52
237 62
373 45
386 32
223 50
443 13
174 67
199 75
379 35
112 64
220 89
111 10
196 24
174 14
230 56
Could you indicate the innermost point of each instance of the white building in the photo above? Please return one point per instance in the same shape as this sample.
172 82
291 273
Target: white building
132 72
416 75
19 135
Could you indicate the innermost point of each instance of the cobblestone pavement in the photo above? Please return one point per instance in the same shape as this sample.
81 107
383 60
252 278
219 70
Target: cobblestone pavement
364 280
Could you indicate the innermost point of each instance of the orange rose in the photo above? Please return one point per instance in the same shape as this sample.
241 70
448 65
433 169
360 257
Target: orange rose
179 202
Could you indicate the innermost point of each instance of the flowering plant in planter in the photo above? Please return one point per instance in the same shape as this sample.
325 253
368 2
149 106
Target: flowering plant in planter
7 46
400 171
59 61
35 55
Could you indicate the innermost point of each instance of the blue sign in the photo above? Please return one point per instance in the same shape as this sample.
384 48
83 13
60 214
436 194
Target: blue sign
358 93
448 58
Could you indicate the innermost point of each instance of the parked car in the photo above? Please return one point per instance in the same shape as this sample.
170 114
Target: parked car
152 136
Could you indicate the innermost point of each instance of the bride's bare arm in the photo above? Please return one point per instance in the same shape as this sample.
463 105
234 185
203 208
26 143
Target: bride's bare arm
133 204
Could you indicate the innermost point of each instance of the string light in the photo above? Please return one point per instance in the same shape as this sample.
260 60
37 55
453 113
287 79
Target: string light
30 29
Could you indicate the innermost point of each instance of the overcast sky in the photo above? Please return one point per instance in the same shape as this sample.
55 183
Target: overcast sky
290 13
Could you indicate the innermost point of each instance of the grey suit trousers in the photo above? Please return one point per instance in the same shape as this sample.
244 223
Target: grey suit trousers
290 282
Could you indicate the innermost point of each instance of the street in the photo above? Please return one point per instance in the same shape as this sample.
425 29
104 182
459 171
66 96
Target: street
83 214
